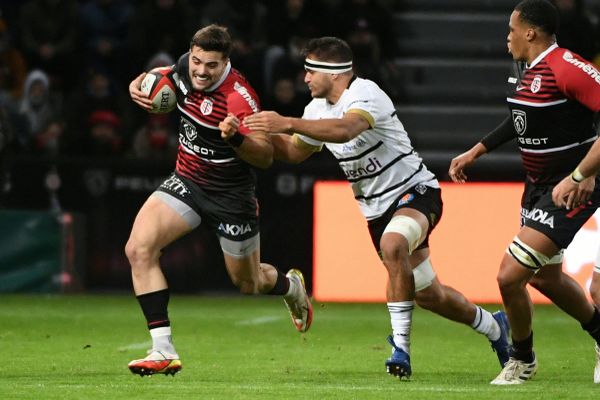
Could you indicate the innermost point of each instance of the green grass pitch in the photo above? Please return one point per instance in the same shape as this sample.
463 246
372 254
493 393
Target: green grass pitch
78 347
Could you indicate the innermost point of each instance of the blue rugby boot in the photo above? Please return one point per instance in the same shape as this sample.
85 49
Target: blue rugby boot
501 346
399 363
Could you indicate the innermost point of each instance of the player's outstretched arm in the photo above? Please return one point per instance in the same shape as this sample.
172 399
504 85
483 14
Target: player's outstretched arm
334 130
255 148
288 150
136 94
463 161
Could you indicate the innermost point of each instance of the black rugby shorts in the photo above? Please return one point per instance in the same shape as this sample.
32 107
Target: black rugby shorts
559 224
231 214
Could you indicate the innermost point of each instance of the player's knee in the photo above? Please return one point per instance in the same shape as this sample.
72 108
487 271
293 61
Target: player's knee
138 254
393 250
410 232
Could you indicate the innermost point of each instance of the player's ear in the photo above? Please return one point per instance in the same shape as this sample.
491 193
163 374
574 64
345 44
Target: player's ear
531 34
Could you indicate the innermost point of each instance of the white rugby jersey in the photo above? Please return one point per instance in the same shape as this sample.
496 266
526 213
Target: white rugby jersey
380 163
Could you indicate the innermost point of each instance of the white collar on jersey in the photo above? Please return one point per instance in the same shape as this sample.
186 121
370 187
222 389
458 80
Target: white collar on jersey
221 79
541 56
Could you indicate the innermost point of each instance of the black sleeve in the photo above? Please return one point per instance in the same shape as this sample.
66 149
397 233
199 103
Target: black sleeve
502 134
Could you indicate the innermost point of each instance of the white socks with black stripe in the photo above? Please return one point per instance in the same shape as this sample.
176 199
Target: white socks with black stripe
485 324
401 318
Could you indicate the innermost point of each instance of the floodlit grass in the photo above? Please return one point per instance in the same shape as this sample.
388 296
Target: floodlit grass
78 347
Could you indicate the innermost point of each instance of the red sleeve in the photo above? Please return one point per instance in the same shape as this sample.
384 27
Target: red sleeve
242 101
576 77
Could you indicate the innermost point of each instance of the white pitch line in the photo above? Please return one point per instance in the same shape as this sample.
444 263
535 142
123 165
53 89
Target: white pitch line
136 346
259 320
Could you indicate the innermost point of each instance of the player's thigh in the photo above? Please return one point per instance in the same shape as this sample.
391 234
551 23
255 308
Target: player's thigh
157 224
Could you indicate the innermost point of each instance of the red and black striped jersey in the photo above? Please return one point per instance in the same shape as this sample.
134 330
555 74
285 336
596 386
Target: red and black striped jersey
552 107
203 156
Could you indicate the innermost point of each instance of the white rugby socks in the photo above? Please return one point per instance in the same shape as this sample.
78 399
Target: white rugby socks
162 341
401 318
485 324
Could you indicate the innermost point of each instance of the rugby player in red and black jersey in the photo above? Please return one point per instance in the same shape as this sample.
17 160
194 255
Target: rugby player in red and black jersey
552 104
213 183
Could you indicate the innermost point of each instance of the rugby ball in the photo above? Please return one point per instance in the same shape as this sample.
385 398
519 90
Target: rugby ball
160 84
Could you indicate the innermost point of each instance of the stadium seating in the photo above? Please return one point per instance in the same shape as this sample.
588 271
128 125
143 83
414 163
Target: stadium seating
451 80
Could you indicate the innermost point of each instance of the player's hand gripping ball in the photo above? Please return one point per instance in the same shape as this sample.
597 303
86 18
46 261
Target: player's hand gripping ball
160 84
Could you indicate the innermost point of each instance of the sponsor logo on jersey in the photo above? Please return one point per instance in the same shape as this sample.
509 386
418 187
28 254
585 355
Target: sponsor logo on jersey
175 185
206 107
585 67
234 230
353 145
244 93
533 141
372 166
519 121
536 84
538 215
407 198
196 148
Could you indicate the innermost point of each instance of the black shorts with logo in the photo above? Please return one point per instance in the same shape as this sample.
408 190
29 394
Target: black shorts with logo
232 214
422 198
559 224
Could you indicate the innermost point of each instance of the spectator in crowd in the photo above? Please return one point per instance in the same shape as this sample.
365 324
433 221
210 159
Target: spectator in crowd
160 25
291 24
97 92
40 111
246 22
160 59
105 25
13 67
48 35
157 139
285 99
103 136
367 27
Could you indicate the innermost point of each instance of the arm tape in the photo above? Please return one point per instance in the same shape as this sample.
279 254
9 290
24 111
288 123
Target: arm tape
502 134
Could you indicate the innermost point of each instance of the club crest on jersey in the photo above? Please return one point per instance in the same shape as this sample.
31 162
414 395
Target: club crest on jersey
421 189
519 121
536 84
190 130
407 198
206 107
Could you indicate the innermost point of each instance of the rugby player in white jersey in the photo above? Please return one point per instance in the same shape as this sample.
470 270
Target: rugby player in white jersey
397 194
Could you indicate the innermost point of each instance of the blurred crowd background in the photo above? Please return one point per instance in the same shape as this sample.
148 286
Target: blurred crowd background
66 64
71 140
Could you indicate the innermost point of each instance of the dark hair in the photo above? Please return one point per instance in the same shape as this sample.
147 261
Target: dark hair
329 49
213 38
539 13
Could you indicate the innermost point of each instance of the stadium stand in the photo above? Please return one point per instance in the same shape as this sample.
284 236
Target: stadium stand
450 78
